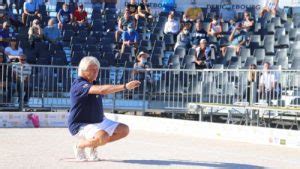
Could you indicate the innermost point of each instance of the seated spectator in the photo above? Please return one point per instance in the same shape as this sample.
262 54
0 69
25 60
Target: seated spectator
80 16
193 14
13 19
97 5
123 23
133 9
5 36
144 10
183 38
267 83
35 33
198 34
203 55
271 7
129 38
237 39
64 16
248 22
215 27
226 12
14 52
110 4
52 33
22 72
139 67
172 26
30 9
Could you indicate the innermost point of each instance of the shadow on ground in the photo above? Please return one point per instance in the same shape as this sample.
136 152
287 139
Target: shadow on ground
187 163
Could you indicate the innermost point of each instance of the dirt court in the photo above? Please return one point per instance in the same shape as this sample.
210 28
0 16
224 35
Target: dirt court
52 148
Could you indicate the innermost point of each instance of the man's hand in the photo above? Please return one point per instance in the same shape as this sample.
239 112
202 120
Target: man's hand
132 84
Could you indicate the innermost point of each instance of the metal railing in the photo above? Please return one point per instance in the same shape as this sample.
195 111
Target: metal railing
161 89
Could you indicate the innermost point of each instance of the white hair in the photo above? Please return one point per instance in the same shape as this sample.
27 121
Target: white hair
86 62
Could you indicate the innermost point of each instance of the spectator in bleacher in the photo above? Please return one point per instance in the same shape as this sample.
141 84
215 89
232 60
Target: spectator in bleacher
271 7
133 9
35 33
248 22
80 16
13 52
215 27
267 83
30 9
5 35
237 39
97 5
198 34
22 72
144 10
172 26
226 12
64 16
110 4
129 38
52 33
139 67
183 38
123 23
203 55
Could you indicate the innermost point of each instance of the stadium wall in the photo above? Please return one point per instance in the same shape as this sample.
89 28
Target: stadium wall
250 134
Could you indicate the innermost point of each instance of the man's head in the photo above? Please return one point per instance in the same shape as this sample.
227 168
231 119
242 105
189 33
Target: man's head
51 22
65 7
80 7
185 30
203 43
127 14
171 17
142 57
89 68
13 43
132 1
198 26
266 66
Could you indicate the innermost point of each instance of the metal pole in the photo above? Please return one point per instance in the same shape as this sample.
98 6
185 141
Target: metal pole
21 101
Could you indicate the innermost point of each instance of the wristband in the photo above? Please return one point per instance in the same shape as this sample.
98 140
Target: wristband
125 86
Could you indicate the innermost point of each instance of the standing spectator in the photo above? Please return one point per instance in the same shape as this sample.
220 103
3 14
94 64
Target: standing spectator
129 38
13 51
203 56
226 12
267 83
248 22
22 72
215 27
183 38
133 9
270 7
123 23
64 16
144 10
35 33
30 9
172 26
198 34
52 33
80 16
5 36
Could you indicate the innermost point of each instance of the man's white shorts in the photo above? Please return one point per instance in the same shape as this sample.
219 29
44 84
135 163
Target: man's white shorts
89 131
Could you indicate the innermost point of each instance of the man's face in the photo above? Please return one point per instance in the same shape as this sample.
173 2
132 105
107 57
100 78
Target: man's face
199 26
266 67
246 15
91 73
132 1
203 45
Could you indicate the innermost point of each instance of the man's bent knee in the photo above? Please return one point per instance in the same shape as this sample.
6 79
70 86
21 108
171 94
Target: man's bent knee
101 138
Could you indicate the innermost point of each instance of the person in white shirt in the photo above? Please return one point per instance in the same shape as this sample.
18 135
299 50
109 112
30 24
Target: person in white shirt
13 51
172 26
267 83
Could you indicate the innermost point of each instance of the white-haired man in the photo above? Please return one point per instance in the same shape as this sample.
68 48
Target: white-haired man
86 119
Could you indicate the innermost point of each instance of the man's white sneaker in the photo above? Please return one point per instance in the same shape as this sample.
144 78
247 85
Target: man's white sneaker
79 153
93 155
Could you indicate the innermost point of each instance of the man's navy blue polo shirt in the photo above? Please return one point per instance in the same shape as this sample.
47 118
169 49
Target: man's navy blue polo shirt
85 108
